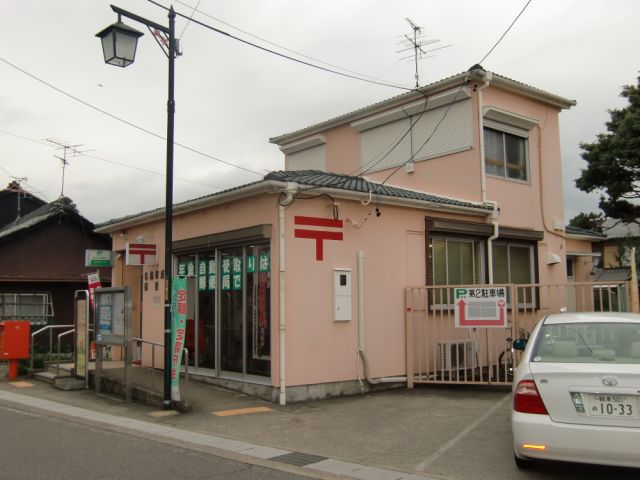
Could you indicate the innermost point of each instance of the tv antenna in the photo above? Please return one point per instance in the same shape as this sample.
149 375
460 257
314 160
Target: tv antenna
67 150
416 42
15 187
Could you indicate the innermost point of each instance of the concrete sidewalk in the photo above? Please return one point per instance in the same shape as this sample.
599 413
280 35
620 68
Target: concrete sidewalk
401 434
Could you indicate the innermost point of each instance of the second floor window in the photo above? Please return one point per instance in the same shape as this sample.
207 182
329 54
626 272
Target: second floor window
505 155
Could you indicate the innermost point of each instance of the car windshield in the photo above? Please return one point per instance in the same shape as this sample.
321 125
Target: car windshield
588 343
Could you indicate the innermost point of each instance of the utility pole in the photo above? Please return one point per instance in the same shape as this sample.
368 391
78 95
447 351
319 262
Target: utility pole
416 41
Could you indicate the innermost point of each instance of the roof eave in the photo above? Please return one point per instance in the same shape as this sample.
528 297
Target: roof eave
373 109
532 92
406 202
266 186
441 85
590 238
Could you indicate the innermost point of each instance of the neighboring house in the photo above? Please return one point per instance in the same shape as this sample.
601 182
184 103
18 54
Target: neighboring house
290 277
42 258
16 202
615 249
621 237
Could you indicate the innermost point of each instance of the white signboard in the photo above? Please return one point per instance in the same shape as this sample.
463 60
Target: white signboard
481 307
97 258
142 254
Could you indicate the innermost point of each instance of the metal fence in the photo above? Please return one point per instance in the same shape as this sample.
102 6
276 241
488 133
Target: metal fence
439 353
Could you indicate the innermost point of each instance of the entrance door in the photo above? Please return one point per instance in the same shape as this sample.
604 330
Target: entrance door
231 309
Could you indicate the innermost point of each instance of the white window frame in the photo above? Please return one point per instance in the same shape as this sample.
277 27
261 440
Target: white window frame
11 303
513 132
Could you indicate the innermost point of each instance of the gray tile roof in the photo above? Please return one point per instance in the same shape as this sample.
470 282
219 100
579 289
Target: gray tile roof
612 274
583 231
62 205
319 179
617 229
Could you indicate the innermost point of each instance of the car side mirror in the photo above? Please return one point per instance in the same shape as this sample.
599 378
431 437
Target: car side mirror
519 344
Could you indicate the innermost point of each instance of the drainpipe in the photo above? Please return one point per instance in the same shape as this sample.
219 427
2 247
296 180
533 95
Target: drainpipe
483 180
363 356
290 190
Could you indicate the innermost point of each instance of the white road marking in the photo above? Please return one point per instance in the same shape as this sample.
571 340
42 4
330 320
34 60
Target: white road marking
422 466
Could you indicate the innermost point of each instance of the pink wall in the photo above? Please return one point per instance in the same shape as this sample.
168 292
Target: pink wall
320 349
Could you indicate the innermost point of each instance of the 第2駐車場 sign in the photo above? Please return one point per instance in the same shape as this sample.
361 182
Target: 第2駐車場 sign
481 307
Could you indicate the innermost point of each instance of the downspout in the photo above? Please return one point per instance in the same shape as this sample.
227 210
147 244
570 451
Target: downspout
483 180
290 190
363 356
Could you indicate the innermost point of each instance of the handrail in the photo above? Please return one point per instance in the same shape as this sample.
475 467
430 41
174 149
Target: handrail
50 328
60 335
153 363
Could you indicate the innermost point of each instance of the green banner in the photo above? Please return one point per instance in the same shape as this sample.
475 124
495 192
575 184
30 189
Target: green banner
226 273
251 263
236 279
264 262
178 331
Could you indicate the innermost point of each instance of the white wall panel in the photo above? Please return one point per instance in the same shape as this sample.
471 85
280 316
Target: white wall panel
454 134
313 158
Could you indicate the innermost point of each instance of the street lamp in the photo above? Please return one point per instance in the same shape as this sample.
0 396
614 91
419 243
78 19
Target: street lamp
119 47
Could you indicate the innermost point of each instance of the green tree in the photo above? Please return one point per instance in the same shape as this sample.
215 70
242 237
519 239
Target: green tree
588 221
614 161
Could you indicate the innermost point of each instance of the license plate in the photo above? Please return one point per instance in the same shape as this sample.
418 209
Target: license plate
606 405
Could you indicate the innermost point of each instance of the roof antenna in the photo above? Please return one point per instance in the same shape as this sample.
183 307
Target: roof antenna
15 187
66 150
416 42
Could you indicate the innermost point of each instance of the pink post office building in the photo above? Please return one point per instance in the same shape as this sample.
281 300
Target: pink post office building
296 282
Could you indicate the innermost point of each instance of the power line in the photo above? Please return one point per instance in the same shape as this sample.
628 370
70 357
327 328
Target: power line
24 183
195 9
122 120
505 32
454 100
282 55
120 164
275 44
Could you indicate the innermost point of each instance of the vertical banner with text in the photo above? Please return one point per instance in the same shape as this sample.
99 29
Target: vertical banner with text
93 282
178 330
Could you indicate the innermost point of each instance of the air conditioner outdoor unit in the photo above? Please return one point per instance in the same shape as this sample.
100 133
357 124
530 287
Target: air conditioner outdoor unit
456 354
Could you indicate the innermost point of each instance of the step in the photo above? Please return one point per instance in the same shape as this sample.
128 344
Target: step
48 377
65 369
69 383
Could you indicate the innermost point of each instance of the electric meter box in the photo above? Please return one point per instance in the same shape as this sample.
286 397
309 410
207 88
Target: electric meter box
342 294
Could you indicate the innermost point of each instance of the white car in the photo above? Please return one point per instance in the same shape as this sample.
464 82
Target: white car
576 392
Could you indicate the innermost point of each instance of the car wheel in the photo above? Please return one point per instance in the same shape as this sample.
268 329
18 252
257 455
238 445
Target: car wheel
522 463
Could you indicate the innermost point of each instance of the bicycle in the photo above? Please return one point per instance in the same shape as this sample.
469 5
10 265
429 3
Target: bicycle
506 364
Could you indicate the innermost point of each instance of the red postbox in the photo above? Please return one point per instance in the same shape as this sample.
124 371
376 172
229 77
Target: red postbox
14 343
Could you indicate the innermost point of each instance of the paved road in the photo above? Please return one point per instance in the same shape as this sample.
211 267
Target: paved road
436 433
35 446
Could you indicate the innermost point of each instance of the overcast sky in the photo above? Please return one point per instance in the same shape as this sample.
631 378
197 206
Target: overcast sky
231 98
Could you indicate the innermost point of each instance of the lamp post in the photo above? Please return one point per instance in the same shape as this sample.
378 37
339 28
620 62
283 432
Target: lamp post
119 47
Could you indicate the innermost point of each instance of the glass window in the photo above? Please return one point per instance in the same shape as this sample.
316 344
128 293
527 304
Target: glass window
588 343
35 307
231 309
258 299
513 263
505 155
609 298
454 261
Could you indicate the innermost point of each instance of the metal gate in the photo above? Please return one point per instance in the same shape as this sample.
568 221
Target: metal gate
439 353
